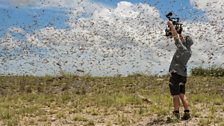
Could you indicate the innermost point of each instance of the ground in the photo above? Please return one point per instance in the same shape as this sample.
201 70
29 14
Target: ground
106 101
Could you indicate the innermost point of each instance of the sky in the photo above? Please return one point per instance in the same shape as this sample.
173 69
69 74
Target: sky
26 12
104 37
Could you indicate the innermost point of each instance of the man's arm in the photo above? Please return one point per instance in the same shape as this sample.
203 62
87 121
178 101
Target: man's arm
182 38
175 35
173 30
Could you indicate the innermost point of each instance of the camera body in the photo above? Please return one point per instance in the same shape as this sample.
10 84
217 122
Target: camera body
176 23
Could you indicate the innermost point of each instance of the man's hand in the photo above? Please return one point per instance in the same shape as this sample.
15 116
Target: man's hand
173 30
170 23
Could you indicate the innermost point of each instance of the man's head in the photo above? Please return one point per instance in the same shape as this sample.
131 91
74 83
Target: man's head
188 42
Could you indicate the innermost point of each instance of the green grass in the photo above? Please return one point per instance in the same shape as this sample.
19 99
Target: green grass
73 100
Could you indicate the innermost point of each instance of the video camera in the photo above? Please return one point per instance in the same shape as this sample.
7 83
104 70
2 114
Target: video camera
176 23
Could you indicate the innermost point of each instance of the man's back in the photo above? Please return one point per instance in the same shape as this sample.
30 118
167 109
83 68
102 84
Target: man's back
181 57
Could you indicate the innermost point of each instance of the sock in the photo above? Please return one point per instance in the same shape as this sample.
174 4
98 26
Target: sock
176 111
186 110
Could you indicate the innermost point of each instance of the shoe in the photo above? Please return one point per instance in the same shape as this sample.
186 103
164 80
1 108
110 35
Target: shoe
186 116
177 115
173 118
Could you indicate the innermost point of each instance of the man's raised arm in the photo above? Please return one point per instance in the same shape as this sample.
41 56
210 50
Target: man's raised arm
173 30
175 35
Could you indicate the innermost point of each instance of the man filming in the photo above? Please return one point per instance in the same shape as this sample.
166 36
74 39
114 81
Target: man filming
178 71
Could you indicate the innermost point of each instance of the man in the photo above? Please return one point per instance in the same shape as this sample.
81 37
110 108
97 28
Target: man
178 71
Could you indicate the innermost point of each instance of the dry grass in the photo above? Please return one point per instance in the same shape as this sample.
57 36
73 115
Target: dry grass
109 101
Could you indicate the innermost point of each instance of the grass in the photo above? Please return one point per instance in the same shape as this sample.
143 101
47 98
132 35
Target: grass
74 100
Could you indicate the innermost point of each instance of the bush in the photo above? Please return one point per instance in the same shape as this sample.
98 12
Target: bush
212 71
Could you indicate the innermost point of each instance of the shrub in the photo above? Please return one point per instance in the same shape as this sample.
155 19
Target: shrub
212 71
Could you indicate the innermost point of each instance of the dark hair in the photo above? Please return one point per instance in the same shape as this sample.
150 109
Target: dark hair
188 41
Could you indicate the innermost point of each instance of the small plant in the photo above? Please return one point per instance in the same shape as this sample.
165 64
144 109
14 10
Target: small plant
204 122
109 123
5 115
80 118
123 120
12 122
60 115
90 123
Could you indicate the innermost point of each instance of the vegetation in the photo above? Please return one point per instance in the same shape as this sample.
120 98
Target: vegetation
88 101
213 71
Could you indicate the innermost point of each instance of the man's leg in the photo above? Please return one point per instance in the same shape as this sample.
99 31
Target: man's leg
184 101
175 91
176 102
186 107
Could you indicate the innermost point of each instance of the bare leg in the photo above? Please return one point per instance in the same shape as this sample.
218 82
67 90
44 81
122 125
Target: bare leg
184 101
176 102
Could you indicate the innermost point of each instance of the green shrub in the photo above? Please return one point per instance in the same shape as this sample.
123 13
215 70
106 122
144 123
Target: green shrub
212 71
